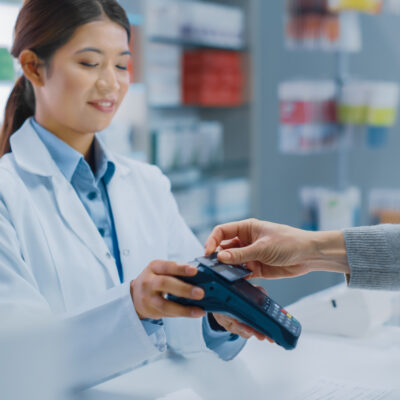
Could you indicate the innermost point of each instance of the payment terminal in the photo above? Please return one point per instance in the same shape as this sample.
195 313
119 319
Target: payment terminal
227 292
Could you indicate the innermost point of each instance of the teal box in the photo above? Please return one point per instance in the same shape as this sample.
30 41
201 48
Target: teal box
6 66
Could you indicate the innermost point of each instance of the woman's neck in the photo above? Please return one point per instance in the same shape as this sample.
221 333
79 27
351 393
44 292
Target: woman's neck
81 142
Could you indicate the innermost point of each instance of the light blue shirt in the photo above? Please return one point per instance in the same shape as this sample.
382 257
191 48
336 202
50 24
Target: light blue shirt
91 188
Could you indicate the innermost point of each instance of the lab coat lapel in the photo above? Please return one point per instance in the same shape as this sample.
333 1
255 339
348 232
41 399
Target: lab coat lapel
127 220
77 218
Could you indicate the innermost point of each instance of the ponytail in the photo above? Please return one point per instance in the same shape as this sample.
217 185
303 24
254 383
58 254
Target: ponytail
20 106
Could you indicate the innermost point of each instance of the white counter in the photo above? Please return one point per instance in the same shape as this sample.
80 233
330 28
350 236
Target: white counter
265 371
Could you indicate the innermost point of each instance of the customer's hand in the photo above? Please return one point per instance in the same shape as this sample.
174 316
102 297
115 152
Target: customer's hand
148 291
277 251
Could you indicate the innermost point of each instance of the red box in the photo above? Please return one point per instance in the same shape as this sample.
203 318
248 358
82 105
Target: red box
212 78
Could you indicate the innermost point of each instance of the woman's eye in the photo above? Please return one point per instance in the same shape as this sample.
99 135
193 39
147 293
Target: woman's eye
122 67
85 64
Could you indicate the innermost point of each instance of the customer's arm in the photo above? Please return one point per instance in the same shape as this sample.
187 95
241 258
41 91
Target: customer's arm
373 254
369 256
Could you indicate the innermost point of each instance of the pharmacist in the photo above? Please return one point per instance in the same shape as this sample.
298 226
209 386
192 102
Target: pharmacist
81 228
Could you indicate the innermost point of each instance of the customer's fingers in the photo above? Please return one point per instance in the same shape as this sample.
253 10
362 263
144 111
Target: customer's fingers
240 255
230 244
225 232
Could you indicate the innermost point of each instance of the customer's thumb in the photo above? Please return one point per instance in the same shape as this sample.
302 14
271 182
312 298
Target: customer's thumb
239 255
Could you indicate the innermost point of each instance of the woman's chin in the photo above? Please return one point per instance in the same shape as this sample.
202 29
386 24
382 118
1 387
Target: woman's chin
97 126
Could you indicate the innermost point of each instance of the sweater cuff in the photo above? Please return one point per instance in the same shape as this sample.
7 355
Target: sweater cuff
372 254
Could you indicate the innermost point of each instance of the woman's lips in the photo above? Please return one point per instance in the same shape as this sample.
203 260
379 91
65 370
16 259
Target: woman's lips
105 106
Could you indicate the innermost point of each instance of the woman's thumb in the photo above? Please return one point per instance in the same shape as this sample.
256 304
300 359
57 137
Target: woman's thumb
239 255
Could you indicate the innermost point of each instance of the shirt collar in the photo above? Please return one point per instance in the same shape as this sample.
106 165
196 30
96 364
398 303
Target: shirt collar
67 158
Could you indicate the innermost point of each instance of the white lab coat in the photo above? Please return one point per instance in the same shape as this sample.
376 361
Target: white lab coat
53 259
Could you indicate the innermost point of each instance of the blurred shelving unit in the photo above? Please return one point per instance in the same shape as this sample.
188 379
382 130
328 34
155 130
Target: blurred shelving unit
192 65
8 14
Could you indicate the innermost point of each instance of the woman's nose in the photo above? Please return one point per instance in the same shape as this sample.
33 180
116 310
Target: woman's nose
108 81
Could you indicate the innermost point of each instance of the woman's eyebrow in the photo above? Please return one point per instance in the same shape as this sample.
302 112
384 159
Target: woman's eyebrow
95 50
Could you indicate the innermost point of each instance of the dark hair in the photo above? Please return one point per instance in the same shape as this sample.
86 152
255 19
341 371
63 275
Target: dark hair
43 27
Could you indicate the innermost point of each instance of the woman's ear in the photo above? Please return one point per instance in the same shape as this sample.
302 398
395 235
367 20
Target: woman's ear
32 67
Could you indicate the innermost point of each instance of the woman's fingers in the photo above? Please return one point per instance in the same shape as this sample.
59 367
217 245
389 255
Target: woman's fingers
171 268
174 286
238 328
233 326
168 308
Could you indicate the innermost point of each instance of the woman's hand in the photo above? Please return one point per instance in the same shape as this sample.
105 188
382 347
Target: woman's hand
159 278
234 326
238 328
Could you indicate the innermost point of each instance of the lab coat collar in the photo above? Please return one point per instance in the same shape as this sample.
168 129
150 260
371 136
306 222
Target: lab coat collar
32 155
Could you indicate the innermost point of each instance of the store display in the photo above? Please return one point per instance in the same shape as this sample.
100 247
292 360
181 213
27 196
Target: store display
183 143
312 25
327 209
384 206
232 200
308 120
212 78
368 6
8 16
371 106
134 66
393 6
311 120
164 74
196 21
216 201
6 65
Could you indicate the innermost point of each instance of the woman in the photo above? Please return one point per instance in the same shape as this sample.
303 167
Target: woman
80 228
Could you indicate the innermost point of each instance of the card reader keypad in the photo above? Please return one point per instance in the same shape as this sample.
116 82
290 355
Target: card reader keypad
280 315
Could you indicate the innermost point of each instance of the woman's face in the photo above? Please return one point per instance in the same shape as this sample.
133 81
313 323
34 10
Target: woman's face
86 81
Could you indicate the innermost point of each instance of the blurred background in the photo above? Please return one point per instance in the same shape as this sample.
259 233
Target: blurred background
279 110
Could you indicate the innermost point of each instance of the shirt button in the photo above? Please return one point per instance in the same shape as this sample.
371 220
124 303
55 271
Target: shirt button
102 231
125 252
92 195
108 255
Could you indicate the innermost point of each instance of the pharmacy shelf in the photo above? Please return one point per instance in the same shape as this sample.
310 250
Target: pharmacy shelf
183 178
235 120
196 44
207 226
174 107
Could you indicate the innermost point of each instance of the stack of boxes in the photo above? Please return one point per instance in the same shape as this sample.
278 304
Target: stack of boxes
164 74
199 22
212 78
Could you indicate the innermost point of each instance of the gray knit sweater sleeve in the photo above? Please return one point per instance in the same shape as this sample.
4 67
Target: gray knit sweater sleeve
373 253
